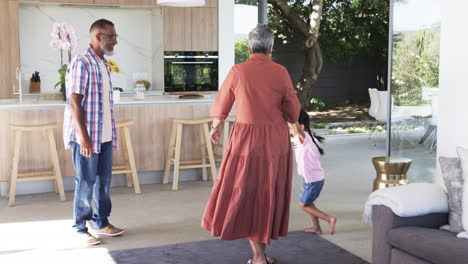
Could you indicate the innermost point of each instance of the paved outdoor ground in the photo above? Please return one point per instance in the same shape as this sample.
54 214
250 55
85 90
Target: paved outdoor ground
346 113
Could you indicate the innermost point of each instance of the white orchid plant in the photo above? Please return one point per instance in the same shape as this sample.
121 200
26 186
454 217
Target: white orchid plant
64 39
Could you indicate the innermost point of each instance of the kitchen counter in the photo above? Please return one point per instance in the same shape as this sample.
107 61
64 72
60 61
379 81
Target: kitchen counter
150 132
31 104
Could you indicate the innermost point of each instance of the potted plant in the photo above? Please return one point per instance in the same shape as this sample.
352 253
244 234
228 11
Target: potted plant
64 39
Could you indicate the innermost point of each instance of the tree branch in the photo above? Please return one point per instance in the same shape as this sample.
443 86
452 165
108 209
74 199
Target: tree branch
294 19
315 16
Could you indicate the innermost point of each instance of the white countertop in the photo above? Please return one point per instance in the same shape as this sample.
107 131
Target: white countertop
28 104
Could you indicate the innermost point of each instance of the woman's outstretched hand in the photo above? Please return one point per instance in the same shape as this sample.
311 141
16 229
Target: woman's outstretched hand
297 129
214 135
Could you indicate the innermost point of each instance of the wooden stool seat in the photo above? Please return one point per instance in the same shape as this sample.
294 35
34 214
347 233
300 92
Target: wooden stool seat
192 121
32 128
129 166
123 123
174 151
47 130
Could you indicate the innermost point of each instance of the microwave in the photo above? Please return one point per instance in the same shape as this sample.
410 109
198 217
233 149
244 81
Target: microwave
192 72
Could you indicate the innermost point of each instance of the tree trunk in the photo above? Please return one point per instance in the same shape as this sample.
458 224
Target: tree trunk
312 54
381 73
312 67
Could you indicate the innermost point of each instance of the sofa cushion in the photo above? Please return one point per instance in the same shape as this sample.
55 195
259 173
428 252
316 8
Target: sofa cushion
401 257
463 155
434 245
453 179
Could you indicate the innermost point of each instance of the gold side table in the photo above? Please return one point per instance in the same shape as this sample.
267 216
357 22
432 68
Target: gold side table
391 171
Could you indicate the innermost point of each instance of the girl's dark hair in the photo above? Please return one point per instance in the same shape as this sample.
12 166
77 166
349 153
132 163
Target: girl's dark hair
304 120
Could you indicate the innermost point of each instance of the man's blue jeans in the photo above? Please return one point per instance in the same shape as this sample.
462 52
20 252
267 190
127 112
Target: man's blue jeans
93 175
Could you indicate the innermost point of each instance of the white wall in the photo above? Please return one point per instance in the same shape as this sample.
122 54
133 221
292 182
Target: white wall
135 52
453 97
157 25
226 38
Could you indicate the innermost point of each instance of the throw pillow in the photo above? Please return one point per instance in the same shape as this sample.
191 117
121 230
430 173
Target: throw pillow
463 155
453 180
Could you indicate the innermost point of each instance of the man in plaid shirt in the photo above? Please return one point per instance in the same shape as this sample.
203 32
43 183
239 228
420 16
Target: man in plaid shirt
89 130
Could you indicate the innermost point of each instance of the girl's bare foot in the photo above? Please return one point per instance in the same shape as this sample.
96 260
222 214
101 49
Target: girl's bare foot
331 225
316 230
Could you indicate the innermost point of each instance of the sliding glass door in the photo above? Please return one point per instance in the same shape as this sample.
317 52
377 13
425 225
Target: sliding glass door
414 85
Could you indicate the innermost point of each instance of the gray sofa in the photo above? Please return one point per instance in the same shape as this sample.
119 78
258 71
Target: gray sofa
414 240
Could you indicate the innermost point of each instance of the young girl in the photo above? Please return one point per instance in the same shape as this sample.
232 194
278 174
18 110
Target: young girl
307 152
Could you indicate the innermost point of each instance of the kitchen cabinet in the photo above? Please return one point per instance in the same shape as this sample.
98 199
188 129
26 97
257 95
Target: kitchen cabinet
103 2
177 32
204 28
190 29
151 118
211 3
9 47
65 1
126 2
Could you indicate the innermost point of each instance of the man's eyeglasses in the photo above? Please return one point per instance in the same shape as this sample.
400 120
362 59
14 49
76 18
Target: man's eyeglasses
111 36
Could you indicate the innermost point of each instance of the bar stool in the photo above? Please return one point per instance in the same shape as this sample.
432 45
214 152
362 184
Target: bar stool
129 166
223 144
47 130
175 146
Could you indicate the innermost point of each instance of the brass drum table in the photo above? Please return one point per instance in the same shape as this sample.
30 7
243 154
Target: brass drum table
391 171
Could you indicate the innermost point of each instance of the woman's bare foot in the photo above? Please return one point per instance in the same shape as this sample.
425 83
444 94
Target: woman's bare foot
316 230
260 260
271 260
331 225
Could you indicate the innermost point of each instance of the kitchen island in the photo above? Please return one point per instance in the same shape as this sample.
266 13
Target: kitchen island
150 132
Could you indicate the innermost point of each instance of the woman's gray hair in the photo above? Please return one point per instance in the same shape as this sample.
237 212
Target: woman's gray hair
261 39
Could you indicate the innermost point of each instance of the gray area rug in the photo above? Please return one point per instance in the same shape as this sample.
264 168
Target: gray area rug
297 248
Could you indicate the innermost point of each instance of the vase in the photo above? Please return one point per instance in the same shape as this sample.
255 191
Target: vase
63 90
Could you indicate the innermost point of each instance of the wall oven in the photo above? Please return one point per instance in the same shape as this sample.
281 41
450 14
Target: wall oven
190 72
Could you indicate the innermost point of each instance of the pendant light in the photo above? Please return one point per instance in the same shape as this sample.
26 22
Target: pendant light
181 3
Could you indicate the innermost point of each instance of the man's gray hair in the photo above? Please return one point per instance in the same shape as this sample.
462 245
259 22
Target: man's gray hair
261 39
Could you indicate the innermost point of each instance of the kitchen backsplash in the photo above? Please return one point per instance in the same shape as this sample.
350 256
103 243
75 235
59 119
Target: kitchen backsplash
139 52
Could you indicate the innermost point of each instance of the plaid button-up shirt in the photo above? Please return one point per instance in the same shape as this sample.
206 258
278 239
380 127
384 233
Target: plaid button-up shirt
84 77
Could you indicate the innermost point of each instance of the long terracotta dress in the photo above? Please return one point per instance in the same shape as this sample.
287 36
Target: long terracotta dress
251 196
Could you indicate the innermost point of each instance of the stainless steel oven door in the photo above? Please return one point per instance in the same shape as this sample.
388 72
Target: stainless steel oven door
191 73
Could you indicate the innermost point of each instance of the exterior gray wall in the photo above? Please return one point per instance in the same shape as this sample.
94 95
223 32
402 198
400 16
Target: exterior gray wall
338 82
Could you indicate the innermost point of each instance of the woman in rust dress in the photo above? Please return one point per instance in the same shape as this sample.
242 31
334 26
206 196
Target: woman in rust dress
251 196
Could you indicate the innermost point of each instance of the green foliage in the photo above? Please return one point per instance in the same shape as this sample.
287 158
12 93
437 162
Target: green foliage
356 131
356 28
62 71
415 65
359 117
319 125
322 123
348 29
317 103
241 48
281 27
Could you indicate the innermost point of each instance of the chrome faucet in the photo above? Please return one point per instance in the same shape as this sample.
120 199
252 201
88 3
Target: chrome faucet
19 75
